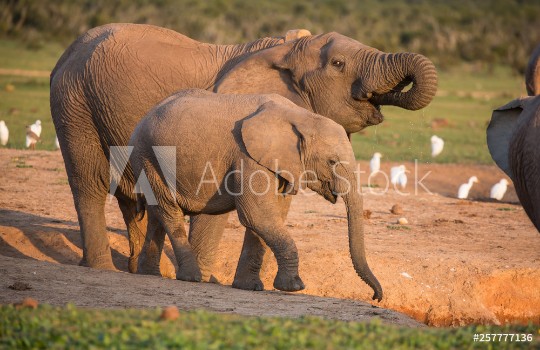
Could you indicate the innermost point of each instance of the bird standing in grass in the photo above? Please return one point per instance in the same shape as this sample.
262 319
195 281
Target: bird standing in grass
398 176
4 133
33 132
463 191
375 163
499 189
437 145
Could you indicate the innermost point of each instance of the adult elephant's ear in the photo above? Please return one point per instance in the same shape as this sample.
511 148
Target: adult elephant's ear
275 142
500 131
265 71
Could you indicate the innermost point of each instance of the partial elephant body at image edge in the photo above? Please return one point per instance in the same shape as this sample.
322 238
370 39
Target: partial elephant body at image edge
532 73
513 137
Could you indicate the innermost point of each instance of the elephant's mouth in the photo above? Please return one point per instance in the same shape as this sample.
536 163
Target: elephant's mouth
328 193
376 117
373 115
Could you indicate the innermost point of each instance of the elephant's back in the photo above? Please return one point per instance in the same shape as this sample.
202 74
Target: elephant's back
114 74
107 36
198 116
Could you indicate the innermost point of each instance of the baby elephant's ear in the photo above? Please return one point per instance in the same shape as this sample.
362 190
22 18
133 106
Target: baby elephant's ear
500 131
273 141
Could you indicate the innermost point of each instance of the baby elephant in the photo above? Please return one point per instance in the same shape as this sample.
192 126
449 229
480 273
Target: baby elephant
257 150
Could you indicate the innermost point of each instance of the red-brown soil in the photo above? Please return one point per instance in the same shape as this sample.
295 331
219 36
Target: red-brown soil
457 262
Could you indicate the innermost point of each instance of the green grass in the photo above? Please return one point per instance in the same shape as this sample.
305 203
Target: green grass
74 328
467 95
16 55
29 99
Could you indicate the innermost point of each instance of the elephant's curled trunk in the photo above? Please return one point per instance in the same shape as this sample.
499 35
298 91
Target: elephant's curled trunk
399 70
353 202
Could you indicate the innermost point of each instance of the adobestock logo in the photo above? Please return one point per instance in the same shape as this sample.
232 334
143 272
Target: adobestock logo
258 181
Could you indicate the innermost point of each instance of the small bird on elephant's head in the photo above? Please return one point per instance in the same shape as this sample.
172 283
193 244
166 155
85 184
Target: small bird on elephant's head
33 133
499 189
4 133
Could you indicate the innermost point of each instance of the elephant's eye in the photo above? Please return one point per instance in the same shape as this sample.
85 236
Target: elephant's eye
332 162
338 63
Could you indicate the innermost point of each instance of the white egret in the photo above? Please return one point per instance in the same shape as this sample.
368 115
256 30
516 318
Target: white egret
375 163
437 145
33 132
463 191
398 176
499 189
4 133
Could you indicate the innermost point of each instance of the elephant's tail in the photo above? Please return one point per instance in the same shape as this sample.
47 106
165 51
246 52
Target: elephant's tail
141 207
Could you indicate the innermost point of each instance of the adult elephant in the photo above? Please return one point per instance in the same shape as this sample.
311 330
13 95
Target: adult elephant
513 138
111 76
532 73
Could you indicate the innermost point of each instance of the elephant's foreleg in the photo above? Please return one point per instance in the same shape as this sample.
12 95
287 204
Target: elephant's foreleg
205 232
282 245
136 232
247 274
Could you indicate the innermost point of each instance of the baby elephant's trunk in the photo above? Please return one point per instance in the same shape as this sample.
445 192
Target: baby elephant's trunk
353 202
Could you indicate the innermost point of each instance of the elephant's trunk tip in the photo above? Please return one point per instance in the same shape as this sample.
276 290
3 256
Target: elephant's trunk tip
375 285
378 295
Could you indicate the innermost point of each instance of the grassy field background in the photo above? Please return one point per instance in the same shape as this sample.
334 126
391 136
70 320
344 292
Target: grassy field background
74 328
467 95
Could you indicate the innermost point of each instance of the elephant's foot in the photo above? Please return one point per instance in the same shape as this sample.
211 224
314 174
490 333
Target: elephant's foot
133 263
213 279
189 274
208 276
147 266
288 283
249 283
103 262
145 269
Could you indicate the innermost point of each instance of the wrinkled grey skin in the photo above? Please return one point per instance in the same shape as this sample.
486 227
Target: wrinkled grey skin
513 138
259 148
111 76
532 73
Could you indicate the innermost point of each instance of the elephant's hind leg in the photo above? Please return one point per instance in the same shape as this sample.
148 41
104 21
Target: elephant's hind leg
149 260
172 220
205 232
136 232
247 274
91 215
88 175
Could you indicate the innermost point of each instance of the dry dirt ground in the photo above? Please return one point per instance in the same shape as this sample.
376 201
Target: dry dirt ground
456 262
